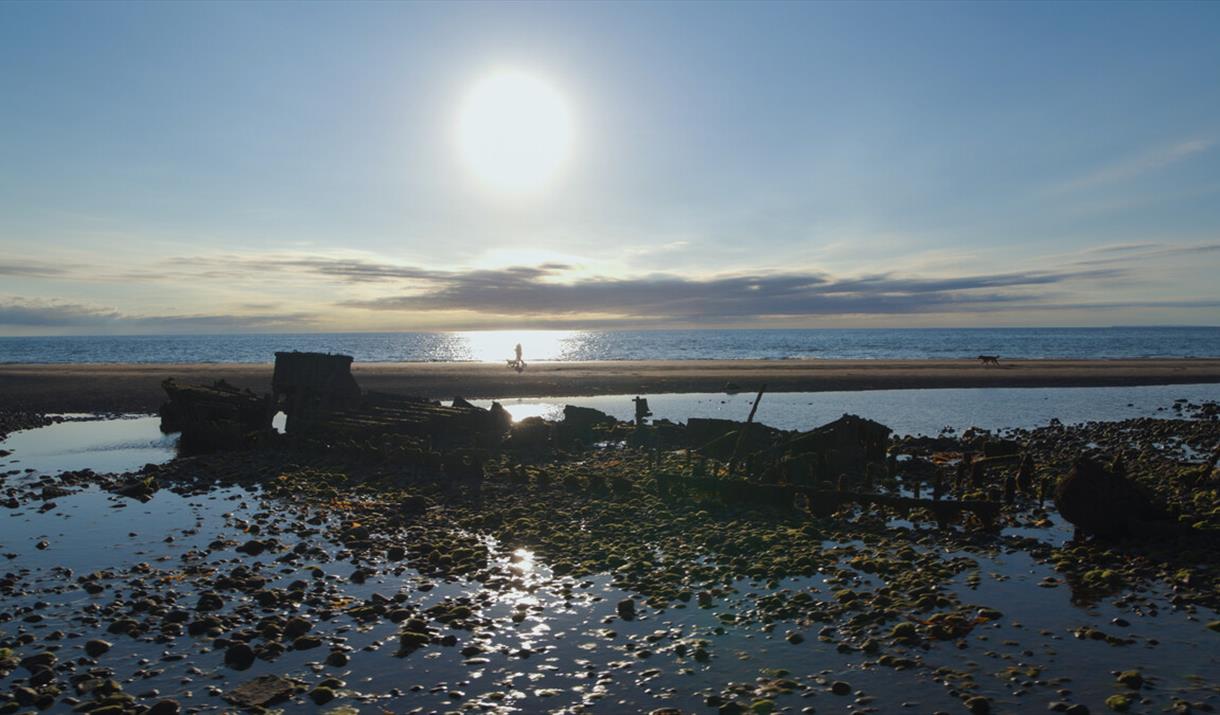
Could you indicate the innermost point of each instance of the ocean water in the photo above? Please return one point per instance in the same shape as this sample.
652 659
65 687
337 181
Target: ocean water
545 345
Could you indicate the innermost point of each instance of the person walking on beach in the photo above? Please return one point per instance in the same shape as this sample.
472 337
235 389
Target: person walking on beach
517 364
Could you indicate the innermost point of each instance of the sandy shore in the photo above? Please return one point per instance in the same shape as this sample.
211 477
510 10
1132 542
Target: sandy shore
133 387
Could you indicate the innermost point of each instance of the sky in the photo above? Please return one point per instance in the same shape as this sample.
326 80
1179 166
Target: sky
260 167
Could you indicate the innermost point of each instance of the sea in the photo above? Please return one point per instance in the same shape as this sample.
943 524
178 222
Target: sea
587 345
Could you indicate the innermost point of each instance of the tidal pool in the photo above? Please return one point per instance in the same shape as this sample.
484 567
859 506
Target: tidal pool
904 411
557 644
103 445
552 644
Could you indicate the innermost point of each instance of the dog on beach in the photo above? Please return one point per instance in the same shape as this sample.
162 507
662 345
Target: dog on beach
989 359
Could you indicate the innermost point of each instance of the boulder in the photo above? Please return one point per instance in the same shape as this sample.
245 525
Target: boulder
262 691
530 434
581 423
1102 502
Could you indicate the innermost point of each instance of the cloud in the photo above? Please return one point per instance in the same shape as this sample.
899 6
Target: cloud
32 269
1125 304
536 292
552 293
346 269
550 289
39 313
559 294
1141 253
52 313
1134 166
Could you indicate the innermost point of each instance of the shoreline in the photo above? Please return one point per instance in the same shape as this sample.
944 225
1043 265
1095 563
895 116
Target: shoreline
136 387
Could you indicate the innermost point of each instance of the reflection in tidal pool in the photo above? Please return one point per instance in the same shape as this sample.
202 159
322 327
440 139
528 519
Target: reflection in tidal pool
112 445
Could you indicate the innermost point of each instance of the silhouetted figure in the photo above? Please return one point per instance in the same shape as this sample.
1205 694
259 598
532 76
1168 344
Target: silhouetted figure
517 363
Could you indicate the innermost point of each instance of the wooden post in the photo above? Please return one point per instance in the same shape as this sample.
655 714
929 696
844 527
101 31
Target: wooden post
741 437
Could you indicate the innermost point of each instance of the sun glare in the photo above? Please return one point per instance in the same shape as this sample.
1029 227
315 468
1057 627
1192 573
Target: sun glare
497 345
514 132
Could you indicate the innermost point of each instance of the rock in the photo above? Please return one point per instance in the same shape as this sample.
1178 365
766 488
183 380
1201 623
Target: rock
532 434
24 695
410 640
904 632
125 625
297 626
140 489
165 707
839 687
262 691
978 705
1131 678
39 661
1101 502
1118 703
253 547
96 647
209 601
626 609
580 423
321 695
239 656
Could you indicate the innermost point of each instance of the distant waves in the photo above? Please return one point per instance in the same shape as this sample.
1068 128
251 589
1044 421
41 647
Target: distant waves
493 346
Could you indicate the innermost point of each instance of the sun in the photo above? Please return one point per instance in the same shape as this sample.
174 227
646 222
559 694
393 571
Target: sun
514 132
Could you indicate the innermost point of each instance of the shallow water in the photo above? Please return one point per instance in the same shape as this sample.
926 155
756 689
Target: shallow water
115 445
103 445
905 411
573 662
574 659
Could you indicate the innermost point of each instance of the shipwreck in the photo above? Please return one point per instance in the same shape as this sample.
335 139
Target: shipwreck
821 470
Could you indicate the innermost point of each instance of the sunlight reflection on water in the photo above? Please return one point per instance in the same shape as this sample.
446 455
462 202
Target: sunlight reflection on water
496 345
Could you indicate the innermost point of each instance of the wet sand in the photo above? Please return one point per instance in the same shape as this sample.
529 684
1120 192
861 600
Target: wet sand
136 387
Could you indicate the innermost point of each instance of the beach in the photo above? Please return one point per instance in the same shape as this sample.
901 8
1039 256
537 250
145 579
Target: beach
137 387
304 570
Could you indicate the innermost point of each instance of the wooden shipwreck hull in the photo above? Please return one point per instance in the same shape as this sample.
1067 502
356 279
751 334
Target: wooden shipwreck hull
323 403
822 502
431 422
217 416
